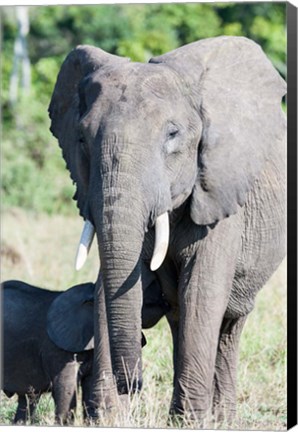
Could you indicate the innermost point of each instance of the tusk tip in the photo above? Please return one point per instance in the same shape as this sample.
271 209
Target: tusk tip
85 244
154 265
161 241
81 257
158 258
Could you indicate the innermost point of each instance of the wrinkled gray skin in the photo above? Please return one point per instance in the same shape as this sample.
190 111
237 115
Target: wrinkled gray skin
198 132
48 344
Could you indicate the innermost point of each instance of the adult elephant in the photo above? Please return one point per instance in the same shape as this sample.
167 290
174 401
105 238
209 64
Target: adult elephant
192 145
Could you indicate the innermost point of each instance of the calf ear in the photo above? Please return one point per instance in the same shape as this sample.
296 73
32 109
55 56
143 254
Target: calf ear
70 319
237 93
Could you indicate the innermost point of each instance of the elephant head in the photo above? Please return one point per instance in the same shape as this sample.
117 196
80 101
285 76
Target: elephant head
192 126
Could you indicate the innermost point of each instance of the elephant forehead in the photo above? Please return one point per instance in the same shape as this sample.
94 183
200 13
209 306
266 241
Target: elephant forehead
137 82
159 80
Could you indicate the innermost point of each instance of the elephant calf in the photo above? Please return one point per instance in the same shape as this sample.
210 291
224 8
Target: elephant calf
48 344
33 363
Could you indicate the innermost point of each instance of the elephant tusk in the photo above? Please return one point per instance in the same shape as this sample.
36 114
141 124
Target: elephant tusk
85 244
162 234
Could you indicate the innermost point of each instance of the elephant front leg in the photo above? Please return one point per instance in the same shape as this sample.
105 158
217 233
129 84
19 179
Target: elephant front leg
198 340
205 284
86 384
225 378
64 392
104 395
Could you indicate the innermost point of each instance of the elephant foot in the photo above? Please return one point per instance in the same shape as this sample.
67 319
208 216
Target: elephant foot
224 413
109 408
103 398
188 421
19 422
189 418
221 415
65 419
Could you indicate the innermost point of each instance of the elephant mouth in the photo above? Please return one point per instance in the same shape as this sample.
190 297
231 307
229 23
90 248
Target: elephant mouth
162 235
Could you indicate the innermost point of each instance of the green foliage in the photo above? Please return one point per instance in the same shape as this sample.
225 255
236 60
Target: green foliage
33 172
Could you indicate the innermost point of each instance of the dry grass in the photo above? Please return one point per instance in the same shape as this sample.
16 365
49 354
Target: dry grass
40 250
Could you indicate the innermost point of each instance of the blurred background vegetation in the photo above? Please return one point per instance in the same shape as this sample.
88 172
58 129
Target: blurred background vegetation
33 171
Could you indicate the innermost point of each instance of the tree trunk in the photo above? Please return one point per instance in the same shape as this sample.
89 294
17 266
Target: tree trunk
21 61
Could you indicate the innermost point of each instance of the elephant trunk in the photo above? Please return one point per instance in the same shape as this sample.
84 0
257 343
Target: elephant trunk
121 213
123 293
120 234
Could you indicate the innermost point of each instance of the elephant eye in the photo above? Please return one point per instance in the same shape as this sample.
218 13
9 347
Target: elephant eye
172 144
173 132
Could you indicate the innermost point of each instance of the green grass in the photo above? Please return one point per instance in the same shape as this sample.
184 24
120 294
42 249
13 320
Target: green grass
40 249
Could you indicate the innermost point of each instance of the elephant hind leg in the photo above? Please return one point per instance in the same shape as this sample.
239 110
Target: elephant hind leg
225 377
21 415
26 407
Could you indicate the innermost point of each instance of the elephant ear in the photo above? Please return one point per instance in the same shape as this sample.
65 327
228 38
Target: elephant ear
237 93
68 105
70 319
